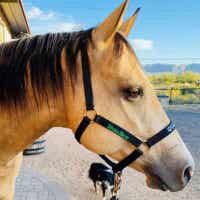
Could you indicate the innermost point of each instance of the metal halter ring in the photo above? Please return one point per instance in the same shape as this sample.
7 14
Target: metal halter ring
91 114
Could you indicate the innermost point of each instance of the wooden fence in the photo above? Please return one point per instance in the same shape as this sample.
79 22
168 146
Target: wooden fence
179 95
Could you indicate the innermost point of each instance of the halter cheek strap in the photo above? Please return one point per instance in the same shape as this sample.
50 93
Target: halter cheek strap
119 131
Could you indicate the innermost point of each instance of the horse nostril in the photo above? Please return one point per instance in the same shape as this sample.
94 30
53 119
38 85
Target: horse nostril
187 175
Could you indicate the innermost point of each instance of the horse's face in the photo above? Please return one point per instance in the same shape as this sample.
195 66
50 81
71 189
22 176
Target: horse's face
124 95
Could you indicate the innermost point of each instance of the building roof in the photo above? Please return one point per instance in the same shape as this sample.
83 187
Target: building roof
14 14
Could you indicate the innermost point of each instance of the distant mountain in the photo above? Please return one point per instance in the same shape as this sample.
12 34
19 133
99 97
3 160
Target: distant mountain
158 68
161 68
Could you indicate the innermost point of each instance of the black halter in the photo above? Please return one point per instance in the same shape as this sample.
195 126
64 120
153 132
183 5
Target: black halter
117 167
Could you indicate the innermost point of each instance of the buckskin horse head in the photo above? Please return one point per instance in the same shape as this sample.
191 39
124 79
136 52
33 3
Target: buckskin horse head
63 79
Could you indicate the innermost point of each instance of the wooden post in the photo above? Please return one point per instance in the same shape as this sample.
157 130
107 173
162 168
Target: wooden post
170 96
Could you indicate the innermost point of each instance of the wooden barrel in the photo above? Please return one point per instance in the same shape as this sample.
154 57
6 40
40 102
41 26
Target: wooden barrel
38 147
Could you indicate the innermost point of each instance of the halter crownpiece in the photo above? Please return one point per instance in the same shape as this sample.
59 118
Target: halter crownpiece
121 132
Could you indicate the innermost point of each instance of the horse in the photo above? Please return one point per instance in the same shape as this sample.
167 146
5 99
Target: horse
41 86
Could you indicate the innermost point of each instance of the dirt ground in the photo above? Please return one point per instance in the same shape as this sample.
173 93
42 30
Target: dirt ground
66 162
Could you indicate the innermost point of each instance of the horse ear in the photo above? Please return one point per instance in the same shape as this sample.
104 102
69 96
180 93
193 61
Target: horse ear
128 25
105 32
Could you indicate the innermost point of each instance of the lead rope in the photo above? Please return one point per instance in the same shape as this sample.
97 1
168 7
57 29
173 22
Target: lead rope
117 186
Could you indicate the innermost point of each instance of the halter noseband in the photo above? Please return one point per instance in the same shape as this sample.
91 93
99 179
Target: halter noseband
124 134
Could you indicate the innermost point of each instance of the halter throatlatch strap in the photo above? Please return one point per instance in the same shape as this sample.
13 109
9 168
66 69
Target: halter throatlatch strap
121 132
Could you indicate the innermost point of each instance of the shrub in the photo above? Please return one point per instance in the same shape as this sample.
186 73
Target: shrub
187 79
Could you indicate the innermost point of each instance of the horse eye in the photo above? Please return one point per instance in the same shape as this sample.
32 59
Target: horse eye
132 93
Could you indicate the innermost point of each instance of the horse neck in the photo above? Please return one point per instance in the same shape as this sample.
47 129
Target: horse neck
19 132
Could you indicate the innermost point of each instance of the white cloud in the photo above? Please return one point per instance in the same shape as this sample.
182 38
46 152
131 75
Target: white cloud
54 27
67 26
49 21
142 44
37 13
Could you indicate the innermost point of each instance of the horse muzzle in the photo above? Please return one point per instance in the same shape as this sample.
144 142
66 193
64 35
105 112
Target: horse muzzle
176 184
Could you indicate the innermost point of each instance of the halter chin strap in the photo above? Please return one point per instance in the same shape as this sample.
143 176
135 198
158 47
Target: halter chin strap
124 134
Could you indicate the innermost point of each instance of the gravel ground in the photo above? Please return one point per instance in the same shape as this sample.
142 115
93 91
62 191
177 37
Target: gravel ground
67 162
31 185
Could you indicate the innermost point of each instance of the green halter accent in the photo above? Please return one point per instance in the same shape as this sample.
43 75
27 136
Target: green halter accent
118 132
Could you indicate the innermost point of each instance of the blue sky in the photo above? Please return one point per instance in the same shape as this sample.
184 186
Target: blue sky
165 32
